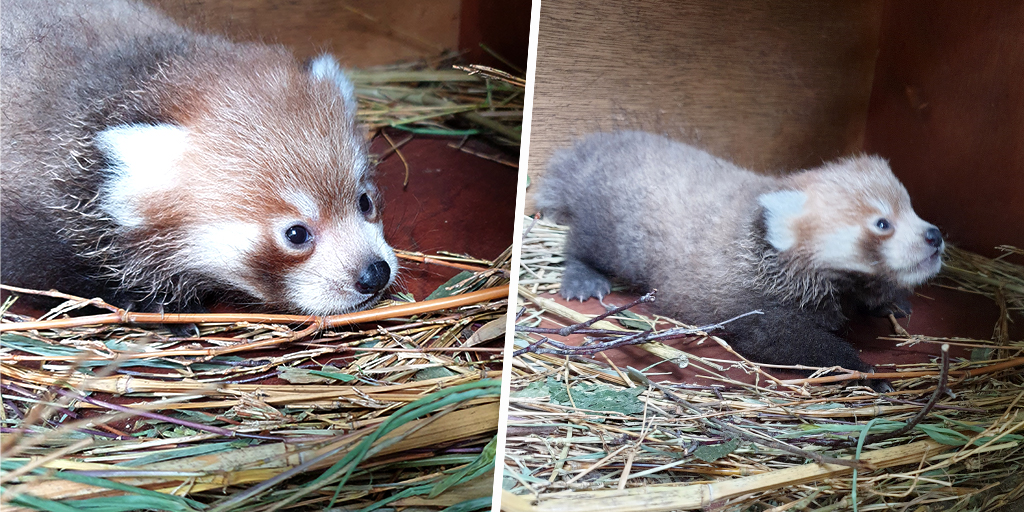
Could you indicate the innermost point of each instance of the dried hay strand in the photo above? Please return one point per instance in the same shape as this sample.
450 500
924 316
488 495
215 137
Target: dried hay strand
586 434
106 415
457 101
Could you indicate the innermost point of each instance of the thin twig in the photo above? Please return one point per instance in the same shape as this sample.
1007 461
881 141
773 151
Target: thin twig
370 315
423 258
383 156
724 427
900 331
940 389
161 417
558 330
629 339
533 223
992 368
405 182
569 329
755 366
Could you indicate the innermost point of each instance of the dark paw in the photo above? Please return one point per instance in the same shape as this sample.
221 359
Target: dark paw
580 281
900 308
880 385
154 305
183 330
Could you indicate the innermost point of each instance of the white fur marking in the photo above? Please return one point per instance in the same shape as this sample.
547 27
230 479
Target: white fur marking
304 203
143 161
838 250
780 208
219 249
883 207
325 67
325 283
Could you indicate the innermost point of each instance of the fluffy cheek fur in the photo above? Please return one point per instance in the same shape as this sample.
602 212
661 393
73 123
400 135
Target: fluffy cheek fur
846 248
907 253
796 222
902 255
219 249
325 282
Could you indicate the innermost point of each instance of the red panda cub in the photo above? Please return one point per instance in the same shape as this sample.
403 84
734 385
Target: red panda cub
153 166
718 241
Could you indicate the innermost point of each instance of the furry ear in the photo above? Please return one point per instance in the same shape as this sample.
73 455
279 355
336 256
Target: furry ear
780 209
141 159
325 67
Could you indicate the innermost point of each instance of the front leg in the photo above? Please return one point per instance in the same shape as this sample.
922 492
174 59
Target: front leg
899 307
789 336
159 303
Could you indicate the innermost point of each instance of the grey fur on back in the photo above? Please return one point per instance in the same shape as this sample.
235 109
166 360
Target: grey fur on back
661 212
56 62
69 70
57 57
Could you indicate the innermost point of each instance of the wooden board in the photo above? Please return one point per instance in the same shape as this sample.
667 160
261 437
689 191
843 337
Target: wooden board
359 32
947 110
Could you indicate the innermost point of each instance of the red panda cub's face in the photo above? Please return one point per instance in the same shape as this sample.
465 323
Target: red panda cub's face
263 186
854 216
325 258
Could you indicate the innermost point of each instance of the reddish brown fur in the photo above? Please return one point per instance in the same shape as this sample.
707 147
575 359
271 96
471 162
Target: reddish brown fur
151 165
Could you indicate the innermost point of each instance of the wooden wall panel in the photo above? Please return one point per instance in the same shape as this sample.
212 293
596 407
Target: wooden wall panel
947 109
504 27
771 85
359 32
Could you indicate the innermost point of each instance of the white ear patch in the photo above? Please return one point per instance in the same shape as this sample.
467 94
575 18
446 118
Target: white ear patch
143 159
325 67
780 208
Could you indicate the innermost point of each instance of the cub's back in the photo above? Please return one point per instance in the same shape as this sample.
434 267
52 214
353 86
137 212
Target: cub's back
56 59
646 208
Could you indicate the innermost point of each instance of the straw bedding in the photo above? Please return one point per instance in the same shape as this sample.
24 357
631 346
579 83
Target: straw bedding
586 434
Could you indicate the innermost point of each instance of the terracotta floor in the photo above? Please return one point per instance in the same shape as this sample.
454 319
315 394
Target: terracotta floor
455 201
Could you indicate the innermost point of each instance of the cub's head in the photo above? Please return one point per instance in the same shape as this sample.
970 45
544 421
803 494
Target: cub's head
258 181
854 216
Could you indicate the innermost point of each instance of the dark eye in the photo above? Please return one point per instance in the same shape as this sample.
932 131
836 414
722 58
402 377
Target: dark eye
883 224
365 204
297 234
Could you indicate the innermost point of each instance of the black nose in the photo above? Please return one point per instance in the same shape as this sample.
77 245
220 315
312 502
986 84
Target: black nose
374 278
933 237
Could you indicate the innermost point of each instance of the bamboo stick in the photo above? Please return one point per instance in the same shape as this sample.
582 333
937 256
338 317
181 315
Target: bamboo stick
370 315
